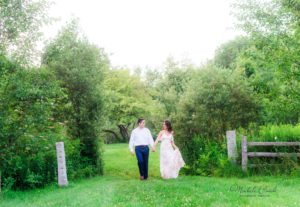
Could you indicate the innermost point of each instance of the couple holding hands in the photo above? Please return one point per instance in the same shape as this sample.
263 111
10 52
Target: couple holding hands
170 157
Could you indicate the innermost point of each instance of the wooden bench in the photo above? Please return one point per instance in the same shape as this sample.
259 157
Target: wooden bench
246 154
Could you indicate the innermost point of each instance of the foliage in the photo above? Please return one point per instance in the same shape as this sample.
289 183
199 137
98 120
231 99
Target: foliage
251 84
170 84
213 159
80 66
263 18
278 133
215 101
30 124
226 55
18 20
127 99
272 58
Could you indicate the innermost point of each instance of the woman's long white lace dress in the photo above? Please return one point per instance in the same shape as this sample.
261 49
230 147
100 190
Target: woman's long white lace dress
170 160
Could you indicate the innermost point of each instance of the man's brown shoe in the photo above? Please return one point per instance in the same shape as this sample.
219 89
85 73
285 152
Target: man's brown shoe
141 177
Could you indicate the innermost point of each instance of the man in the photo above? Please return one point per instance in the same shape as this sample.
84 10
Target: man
139 140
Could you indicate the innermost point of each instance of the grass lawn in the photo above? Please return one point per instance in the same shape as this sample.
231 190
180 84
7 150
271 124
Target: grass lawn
120 187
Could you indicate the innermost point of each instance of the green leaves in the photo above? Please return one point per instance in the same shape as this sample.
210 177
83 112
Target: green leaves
79 66
127 99
30 124
218 100
17 21
271 60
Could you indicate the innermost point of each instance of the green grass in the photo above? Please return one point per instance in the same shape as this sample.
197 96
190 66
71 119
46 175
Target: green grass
277 133
120 187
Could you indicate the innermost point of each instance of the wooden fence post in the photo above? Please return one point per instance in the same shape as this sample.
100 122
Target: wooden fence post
231 146
244 154
61 164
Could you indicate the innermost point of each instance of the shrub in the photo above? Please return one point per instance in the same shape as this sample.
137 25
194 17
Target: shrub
30 124
80 67
212 159
215 101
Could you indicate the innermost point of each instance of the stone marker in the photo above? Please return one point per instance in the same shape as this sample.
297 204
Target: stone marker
61 164
231 146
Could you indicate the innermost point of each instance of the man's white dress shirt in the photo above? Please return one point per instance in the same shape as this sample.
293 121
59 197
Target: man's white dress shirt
140 136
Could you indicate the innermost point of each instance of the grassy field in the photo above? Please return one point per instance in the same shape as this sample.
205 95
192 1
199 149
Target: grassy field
120 187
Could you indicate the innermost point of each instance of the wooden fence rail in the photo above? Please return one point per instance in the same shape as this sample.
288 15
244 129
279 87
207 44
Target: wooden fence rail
246 154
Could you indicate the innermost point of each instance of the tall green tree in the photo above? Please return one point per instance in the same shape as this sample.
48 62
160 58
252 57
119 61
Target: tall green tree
171 83
215 100
31 102
80 66
227 54
20 28
129 98
273 56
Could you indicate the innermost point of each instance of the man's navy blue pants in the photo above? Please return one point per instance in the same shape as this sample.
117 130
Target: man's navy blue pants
142 155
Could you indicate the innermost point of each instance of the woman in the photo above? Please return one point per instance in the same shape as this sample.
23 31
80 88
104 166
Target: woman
170 160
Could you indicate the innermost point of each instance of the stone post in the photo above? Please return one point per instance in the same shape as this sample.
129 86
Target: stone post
231 146
61 164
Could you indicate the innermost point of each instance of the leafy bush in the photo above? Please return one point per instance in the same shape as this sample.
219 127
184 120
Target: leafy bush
211 155
191 152
30 124
212 159
215 101
80 66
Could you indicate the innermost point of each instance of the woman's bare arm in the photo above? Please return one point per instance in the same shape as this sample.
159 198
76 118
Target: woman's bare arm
158 138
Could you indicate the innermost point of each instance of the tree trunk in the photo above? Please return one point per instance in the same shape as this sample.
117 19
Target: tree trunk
112 132
124 132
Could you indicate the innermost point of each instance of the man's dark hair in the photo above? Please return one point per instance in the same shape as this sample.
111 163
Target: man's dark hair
140 120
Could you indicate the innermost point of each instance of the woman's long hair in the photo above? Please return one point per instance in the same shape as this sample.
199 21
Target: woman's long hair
168 125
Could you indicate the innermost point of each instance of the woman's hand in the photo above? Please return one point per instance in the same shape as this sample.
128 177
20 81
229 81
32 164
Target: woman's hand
157 139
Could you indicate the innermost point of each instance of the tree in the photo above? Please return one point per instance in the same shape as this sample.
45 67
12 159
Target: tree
171 84
273 57
226 55
263 18
18 20
80 66
31 102
128 99
215 101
